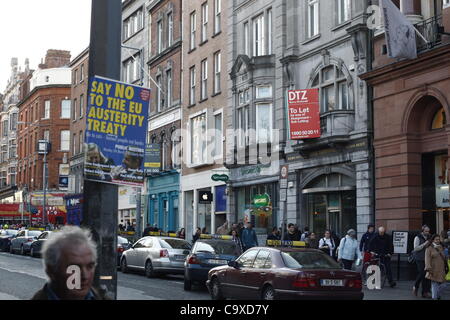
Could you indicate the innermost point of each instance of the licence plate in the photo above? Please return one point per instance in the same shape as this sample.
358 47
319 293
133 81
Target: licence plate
213 261
331 283
180 257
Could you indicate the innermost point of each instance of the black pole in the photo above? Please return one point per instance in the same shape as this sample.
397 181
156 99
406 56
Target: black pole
100 199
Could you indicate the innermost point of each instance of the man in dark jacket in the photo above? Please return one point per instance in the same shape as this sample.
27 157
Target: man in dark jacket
147 230
249 238
365 240
274 235
381 245
291 235
421 243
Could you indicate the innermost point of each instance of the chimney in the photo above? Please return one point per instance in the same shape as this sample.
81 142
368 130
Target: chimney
57 58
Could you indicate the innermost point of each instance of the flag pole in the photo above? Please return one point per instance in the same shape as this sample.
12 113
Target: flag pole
420 35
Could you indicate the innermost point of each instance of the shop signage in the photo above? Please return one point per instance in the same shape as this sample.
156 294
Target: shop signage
116 131
205 197
220 177
400 241
304 114
261 200
442 182
152 162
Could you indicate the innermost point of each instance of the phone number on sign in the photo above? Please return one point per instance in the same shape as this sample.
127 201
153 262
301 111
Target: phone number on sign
305 132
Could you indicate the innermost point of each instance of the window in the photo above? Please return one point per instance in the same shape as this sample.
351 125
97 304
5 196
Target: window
169 88
133 24
81 144
13 121
192 85
160 36
158 94
258 36
218 137
343 10
193 29
74 146
263 92
65 140
217 70
269 31
81 106
243 126
204 22
244 96
261 258
82 73
439 120
75 76
204 83
334 89
198 139
163 153
246 34
74 115
131 69
47 135
313 18
246 260
263 123
47 109
65 109
169 29
217 18
5 128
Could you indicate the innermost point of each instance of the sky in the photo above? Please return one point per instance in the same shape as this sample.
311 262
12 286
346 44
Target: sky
28 28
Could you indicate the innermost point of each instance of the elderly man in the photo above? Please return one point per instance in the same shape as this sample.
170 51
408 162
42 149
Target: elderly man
67 250
381 245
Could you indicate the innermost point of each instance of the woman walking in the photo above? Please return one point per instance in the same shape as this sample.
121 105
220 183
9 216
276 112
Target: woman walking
435 266
327 245
349 250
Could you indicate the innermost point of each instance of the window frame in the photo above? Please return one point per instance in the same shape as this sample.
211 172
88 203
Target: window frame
204 80
205 21
193 30
65 109
61 141
217 72
314 30
217 16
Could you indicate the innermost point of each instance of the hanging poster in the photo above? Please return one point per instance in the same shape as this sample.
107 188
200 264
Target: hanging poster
304 114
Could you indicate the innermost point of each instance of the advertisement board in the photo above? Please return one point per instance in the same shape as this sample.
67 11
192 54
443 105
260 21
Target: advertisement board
152 162
304 114
116 130
400 241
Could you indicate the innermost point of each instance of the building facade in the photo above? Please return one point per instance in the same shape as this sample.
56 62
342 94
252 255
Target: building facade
205 92
79 88
411 131
165 70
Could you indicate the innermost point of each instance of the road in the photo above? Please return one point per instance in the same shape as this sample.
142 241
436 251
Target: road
22 276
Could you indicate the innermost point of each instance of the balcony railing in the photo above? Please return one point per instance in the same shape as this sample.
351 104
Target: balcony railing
429 29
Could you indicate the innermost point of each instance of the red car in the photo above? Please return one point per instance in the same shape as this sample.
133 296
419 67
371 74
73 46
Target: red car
285 274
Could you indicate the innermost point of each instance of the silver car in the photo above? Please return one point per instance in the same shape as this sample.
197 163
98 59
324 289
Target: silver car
156 255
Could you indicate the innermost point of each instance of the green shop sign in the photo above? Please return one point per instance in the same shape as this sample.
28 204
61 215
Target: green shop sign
220 177
261 200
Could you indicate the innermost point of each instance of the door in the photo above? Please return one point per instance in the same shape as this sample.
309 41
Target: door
258 274
144 251
133 254
236 279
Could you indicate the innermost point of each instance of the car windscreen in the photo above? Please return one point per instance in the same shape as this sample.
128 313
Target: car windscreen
122 240
175 244
309 260
11 232
34 233
217 247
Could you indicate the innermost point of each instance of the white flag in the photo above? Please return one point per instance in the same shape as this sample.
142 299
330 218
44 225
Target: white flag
400 32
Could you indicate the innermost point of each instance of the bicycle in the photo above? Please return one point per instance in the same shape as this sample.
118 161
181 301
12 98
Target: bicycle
374 260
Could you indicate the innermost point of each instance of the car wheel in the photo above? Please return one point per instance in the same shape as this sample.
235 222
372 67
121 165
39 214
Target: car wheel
187 285
11 250
123 265
149 272
32 254
268 293
22 250
216 292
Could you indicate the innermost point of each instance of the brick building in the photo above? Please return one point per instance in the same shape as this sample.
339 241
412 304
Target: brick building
44 114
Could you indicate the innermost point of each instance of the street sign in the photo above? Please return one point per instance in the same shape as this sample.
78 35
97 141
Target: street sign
284 173
400 241
283 195
220 177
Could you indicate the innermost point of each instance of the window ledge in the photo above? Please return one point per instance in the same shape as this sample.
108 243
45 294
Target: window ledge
217 34
203 42
191 50
203 100
317 36
343 24
191 105
198 165
216 94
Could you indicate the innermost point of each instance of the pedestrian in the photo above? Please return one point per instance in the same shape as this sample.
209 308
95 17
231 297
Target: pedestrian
72 246
305 234
249 238
223 229
197 234
364 244
291 234
235 238
421 242
435 266
327 244
348 251
181 233
147 230
274 235
205 231
381 246
312 241
240 229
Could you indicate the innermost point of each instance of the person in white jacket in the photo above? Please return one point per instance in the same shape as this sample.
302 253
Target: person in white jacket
349 250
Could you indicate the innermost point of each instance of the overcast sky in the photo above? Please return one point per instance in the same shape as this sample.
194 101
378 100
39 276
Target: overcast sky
29 27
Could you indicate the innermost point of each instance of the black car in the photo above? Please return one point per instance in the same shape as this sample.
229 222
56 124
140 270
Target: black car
5 238
36 246
122 245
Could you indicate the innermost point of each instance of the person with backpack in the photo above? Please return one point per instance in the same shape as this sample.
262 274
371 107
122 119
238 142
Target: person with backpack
305 234
364 244
421 243
249 238
348 250
436 266
327 244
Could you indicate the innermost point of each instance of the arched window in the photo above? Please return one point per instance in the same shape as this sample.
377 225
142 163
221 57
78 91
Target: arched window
334 89
439 120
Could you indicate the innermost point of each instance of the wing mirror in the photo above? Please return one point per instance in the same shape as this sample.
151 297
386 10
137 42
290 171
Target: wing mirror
233 264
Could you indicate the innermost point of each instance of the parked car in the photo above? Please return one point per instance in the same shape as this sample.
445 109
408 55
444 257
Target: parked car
5 238
22 241
36 246
122 245
156 255
284 273
205 255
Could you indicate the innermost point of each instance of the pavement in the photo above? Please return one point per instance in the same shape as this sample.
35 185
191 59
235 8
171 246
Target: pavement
402 291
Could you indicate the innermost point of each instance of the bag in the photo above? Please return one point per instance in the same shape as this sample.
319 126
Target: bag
411 258
447 277
446 264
